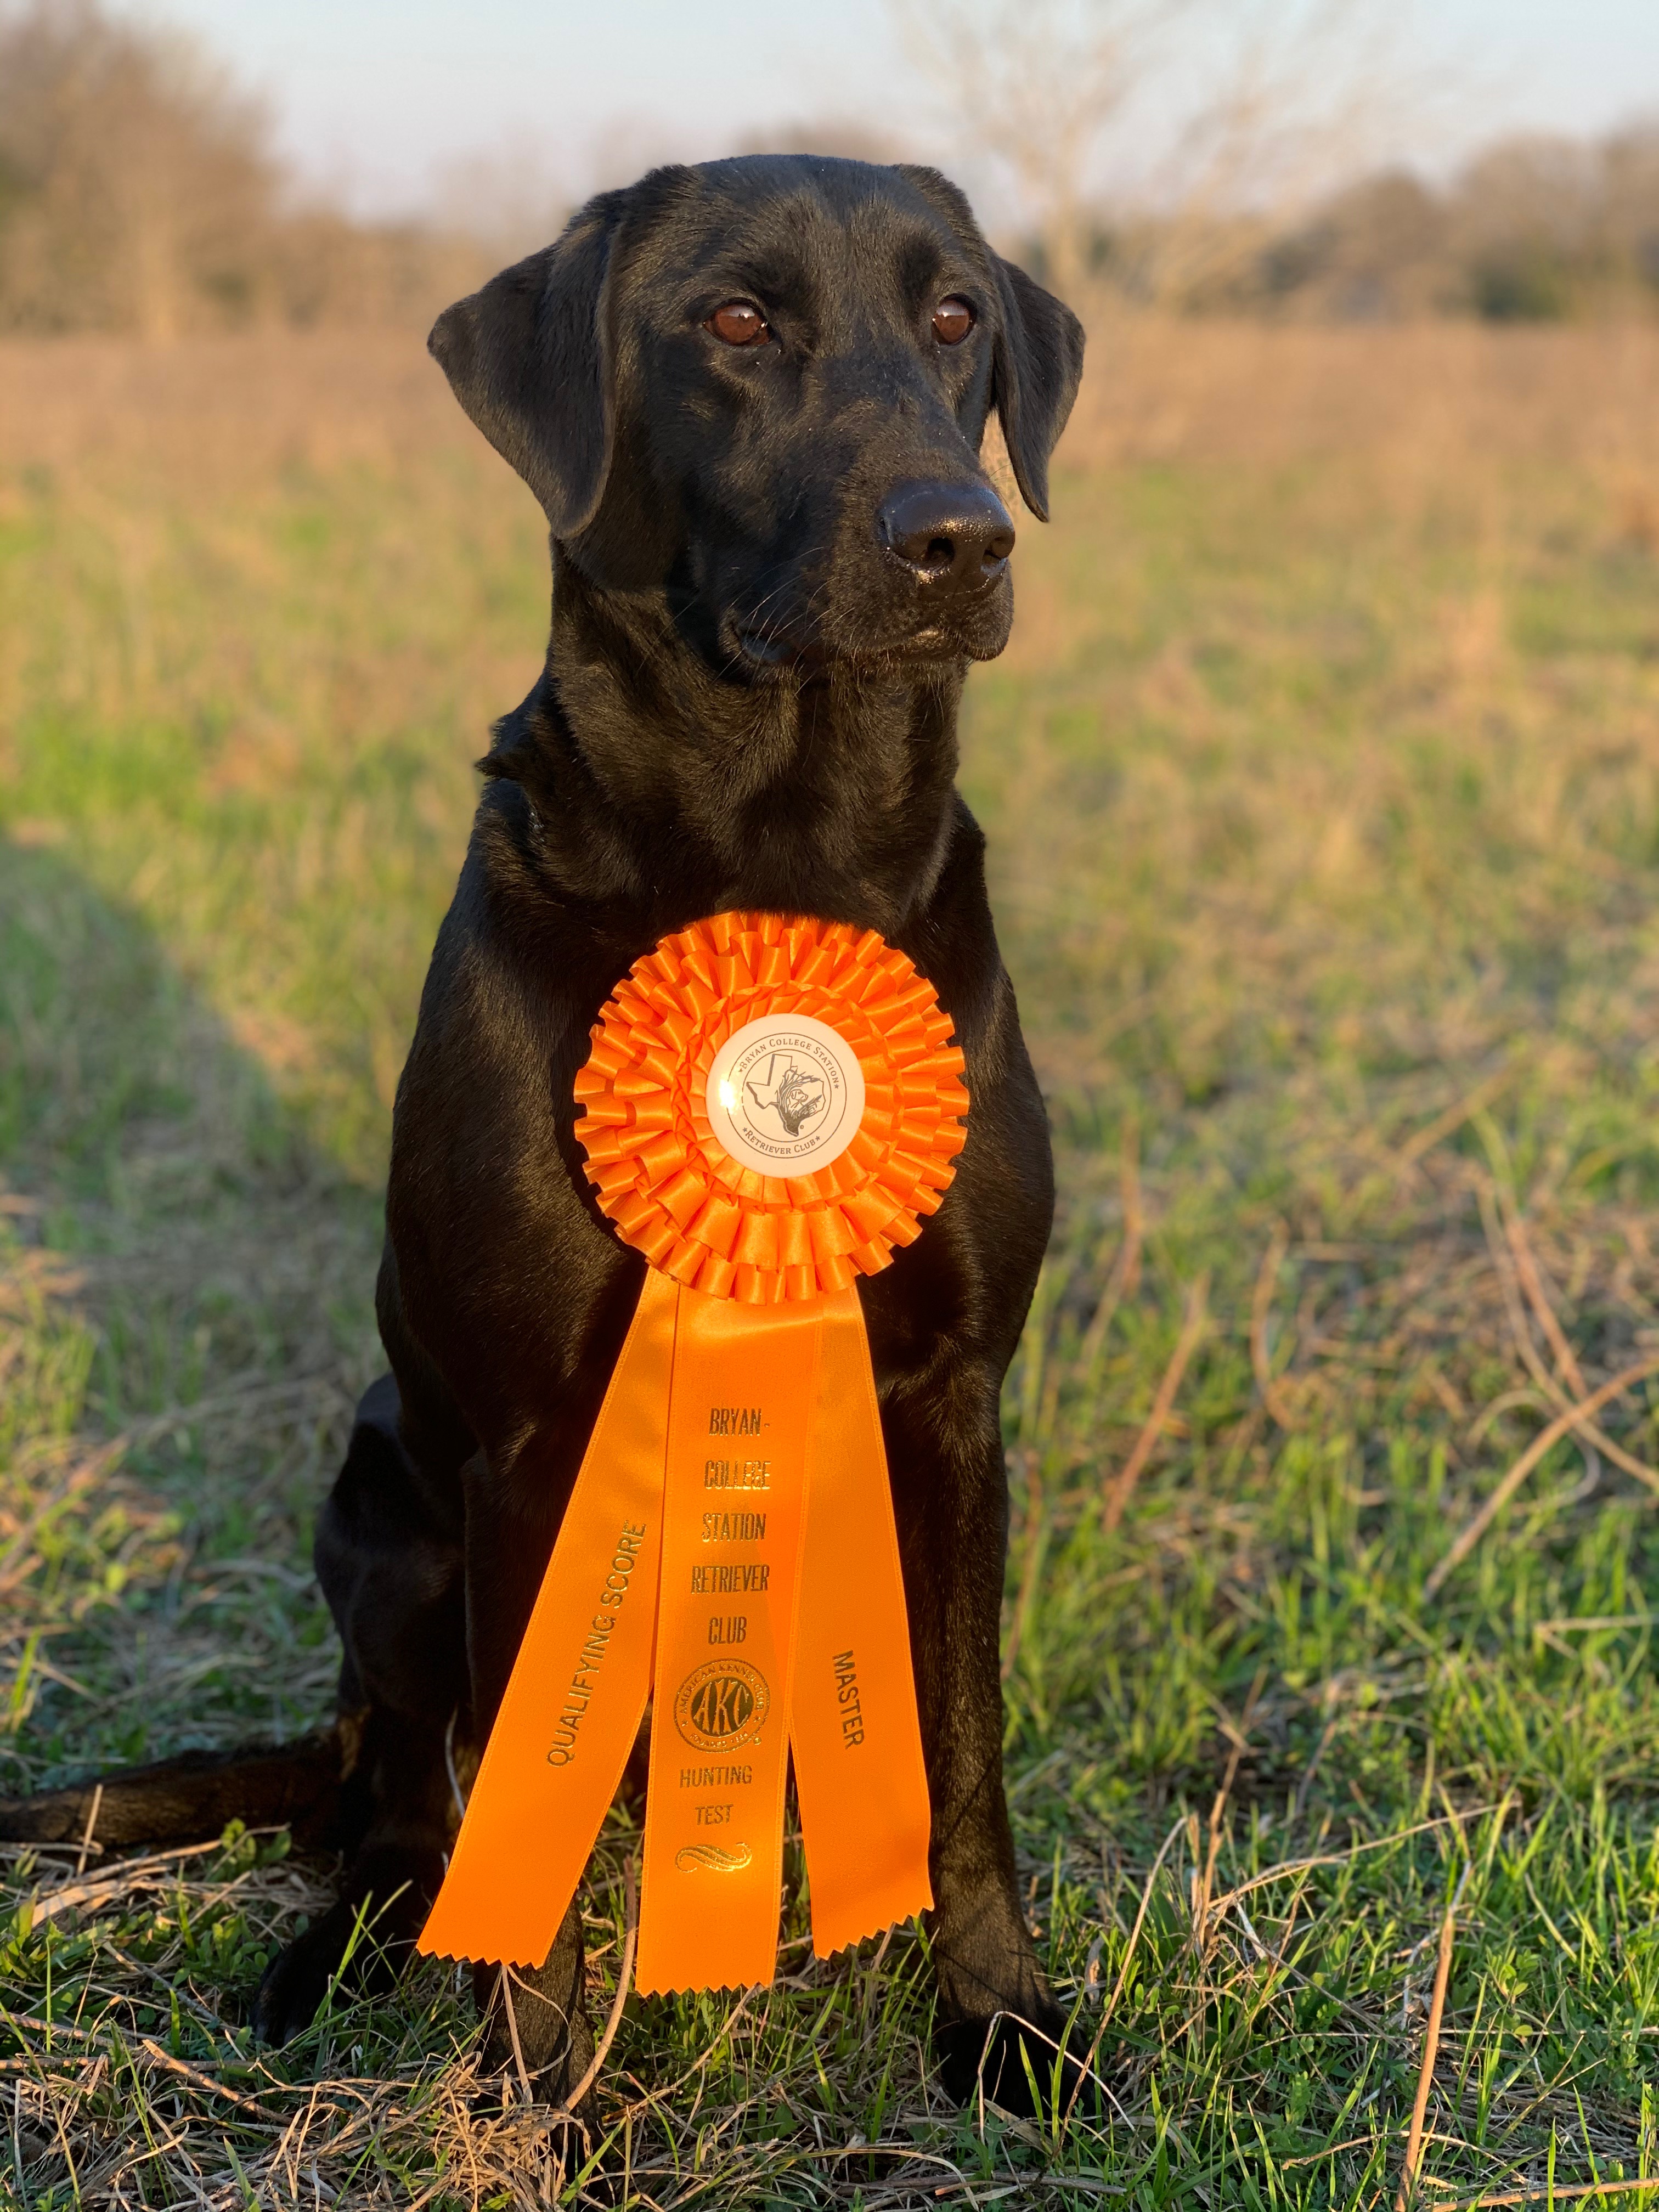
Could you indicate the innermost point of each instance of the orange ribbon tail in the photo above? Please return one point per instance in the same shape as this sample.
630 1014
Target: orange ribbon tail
580 1681
859 1773
738 1442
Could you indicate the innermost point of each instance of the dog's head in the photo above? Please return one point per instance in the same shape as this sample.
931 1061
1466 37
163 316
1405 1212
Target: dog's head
760 388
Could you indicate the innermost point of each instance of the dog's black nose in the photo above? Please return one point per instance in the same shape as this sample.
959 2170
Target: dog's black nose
954 537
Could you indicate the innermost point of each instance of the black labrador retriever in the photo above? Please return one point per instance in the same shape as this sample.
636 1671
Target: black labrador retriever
751 399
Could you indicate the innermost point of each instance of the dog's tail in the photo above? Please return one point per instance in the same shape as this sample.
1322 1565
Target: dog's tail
192 1798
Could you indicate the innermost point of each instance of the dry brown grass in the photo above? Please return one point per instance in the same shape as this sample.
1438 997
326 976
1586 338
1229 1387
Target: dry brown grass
220 414
1416 398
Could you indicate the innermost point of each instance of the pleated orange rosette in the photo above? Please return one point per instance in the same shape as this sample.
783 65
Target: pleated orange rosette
673 1190
772 1105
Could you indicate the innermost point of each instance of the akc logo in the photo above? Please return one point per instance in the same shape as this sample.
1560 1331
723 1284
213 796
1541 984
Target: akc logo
722 1704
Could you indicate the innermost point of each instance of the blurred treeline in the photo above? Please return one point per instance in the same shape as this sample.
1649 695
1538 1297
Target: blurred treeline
1534 229
139 193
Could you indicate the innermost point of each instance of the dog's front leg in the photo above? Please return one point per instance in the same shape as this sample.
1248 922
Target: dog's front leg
950 1497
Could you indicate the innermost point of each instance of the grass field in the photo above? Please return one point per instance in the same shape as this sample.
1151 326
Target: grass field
1322 783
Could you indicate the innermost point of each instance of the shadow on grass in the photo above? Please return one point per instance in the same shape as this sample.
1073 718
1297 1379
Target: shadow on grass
186 1320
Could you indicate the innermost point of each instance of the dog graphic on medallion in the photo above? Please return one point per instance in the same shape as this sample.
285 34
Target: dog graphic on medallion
797 1094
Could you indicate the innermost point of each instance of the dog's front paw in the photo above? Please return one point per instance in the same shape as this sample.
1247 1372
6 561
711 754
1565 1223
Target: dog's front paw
297 1980
539 2032
1027 2068
365 1940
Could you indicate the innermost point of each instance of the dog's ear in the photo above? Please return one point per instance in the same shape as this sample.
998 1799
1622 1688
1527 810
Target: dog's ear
530 359
1037 368
1039 361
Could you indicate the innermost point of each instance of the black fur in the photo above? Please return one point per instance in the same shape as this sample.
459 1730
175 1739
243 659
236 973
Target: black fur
292 1785
749 700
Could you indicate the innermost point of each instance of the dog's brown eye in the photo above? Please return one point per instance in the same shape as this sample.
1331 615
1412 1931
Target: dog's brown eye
952 320
739 323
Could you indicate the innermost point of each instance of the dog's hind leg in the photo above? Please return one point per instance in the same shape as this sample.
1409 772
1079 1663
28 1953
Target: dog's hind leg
389 1556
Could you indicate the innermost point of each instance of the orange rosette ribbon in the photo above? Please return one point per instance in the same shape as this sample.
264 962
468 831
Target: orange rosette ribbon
772 1105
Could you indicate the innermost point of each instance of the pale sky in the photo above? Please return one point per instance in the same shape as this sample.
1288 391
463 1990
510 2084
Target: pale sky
378 99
